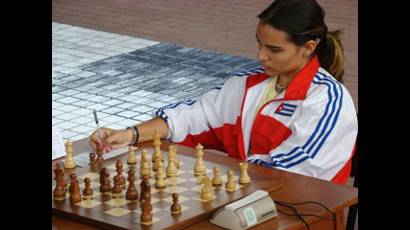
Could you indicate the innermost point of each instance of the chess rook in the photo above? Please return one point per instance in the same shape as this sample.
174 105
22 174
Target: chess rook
69 160
244 177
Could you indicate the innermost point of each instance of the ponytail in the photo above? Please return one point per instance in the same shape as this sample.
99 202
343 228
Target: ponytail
330 53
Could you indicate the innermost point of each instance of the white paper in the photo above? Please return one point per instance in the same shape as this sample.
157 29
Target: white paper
58 149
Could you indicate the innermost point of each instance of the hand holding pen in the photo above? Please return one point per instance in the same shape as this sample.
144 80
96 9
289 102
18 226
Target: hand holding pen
100 136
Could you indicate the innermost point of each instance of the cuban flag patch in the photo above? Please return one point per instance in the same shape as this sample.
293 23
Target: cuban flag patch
286 109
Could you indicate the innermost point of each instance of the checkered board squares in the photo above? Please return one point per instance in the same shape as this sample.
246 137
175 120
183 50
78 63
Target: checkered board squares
173 180
199 187
174 189
90 175
117 210
117 202
184 183
112 168
88 203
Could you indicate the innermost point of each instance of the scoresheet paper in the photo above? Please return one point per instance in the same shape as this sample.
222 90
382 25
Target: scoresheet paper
58 149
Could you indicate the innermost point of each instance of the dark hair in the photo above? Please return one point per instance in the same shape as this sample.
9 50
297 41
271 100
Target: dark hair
303 20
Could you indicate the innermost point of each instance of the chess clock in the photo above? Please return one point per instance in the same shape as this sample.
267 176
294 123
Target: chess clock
247 212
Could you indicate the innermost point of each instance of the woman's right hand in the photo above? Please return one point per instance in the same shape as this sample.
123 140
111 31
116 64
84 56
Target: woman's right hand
113 139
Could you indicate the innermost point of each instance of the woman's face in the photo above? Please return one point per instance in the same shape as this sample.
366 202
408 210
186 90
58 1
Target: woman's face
277 54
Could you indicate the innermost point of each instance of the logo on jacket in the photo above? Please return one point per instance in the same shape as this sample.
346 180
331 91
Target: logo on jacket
286 109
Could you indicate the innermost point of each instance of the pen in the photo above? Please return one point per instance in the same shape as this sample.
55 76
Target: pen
99 130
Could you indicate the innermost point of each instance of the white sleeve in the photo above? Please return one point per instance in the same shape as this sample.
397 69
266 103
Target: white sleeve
323 135
213 109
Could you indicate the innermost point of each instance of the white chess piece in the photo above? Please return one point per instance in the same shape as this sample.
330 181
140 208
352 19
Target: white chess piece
69 160
199 168
131 155
244 177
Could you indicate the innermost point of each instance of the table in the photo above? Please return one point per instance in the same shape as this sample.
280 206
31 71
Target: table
296 188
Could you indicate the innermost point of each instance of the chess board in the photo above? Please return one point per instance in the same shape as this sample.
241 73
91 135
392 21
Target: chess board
109 212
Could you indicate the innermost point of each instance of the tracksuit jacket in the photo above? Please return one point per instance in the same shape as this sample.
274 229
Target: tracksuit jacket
310 128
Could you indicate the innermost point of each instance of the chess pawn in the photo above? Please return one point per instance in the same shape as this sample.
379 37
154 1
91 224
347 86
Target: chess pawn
146 216
230 184
199 168
155 165
144 155
105 183
59 175
75 194
59 192
172 155
143 188
160 183
157 147
216 181
146 191
145 169
93 159
119 176
131 155
171 169
175 207
88 191
69 160
160 170
176 162
244 177
117 188
147 198
132 193
147 186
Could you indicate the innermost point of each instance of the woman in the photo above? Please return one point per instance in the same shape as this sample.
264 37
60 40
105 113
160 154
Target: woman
296 116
